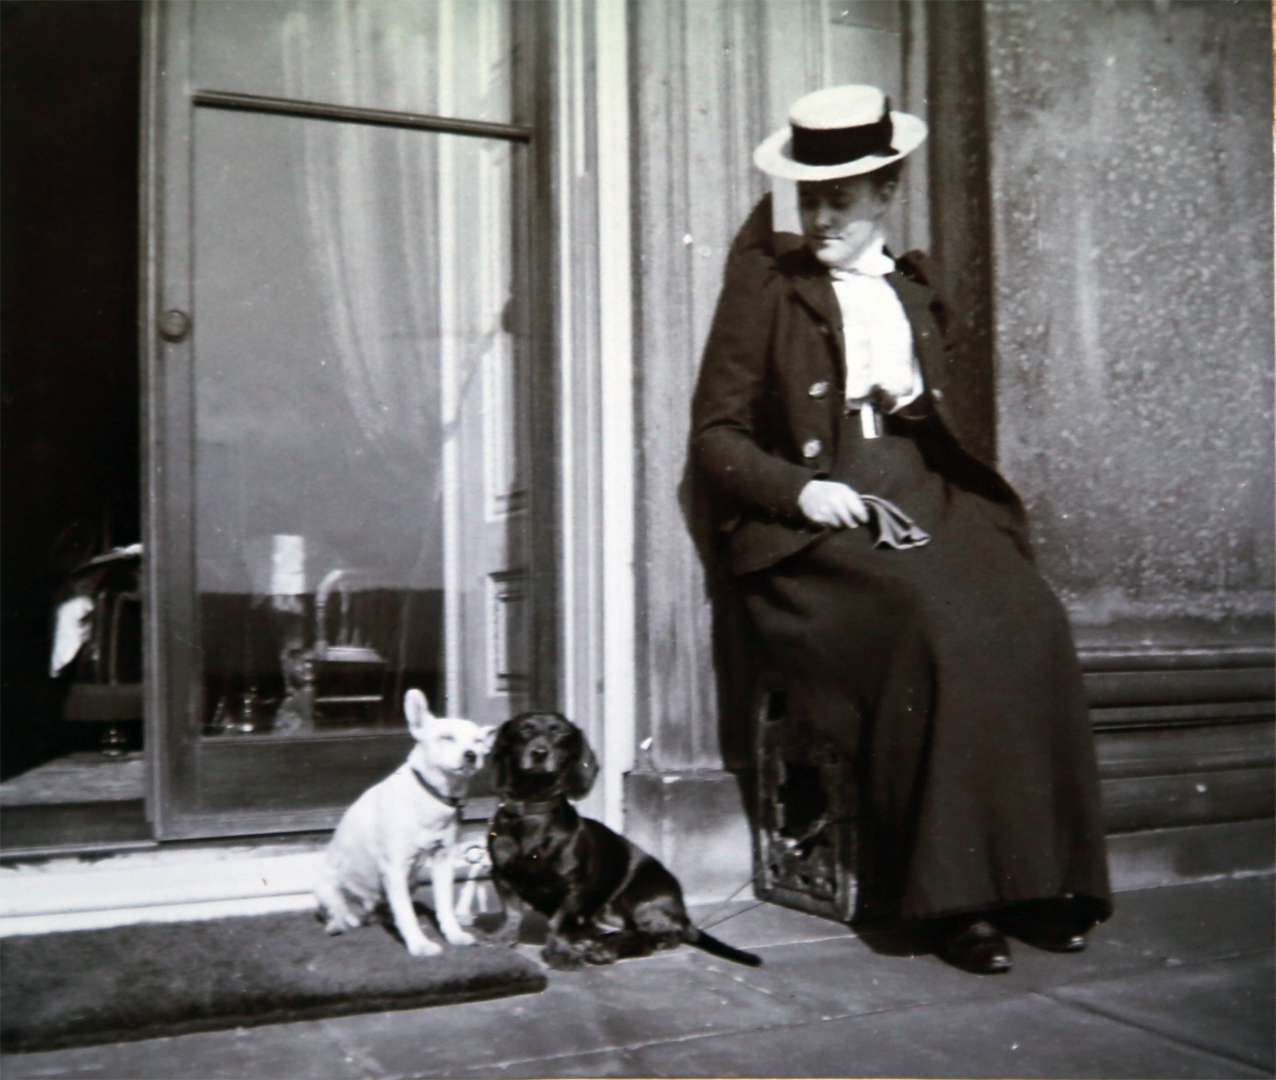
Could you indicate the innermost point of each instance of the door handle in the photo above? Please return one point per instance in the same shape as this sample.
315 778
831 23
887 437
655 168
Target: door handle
174 325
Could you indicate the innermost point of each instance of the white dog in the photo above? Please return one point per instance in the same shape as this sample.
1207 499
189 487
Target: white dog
397 827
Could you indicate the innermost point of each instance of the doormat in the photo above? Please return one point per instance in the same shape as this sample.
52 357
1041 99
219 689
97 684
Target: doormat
140 982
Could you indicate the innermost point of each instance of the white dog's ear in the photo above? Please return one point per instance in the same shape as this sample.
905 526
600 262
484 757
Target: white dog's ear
416 709
489 737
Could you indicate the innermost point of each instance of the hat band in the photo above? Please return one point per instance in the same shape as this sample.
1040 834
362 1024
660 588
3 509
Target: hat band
838 146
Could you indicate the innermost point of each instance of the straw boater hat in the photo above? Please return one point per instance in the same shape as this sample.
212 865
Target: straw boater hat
839 131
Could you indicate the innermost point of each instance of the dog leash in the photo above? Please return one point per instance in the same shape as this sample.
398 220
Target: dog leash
447 800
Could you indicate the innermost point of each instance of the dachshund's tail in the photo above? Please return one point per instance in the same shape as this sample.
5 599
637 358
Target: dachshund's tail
702 939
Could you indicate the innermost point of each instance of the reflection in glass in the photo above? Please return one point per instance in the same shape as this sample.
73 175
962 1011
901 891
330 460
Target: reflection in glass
349 299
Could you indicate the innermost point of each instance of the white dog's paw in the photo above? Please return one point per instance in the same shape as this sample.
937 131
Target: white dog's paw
424 947
461 937
339 922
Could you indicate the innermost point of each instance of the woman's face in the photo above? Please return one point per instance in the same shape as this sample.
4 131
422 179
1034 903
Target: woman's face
841 217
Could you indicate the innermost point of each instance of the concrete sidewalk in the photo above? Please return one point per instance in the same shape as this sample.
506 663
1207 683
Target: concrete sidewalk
1178 984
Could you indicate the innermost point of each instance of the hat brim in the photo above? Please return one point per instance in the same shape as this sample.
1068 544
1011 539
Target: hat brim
774 157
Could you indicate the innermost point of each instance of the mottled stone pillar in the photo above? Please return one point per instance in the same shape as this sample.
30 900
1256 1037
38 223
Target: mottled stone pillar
1132 242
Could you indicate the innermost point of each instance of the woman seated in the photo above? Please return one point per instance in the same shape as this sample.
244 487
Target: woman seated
886 568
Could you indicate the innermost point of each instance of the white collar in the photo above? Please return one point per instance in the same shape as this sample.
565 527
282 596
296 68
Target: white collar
871 262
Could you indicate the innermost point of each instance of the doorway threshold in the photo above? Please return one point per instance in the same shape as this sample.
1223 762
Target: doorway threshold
73 828
80 889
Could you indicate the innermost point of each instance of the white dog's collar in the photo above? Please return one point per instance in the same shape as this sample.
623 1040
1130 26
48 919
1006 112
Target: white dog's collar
447 800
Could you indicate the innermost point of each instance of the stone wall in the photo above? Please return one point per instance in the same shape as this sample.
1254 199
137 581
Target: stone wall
1132 201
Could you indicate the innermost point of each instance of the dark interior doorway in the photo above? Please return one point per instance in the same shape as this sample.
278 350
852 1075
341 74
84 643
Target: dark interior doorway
69 78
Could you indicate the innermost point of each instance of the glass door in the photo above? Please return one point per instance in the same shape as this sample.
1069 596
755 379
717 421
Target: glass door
340 492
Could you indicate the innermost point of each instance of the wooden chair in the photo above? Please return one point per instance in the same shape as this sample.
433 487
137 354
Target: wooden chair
805 811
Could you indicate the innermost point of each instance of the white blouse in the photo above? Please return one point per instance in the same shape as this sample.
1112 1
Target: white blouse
879 340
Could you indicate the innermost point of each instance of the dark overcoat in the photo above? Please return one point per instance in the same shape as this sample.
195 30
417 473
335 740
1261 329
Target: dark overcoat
948 672
765 412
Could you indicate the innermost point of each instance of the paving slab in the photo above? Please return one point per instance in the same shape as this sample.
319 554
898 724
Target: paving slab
601 1063
1202 921
752 924
1181 924
1108 953
1225 1006
1029 1036
281 1052
845 976
1115 1010
631 1003
842 977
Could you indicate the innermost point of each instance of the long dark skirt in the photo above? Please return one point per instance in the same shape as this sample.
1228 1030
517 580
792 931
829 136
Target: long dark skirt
949 672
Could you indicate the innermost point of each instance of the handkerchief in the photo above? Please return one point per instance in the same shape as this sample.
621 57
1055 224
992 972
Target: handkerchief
895 529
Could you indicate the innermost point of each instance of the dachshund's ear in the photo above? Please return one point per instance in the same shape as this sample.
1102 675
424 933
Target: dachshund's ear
579 775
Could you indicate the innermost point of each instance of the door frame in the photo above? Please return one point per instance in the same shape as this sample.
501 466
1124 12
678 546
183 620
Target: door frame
173 686
597 396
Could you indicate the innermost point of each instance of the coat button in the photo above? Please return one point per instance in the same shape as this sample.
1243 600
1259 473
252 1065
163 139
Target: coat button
818 389
811 448
938 395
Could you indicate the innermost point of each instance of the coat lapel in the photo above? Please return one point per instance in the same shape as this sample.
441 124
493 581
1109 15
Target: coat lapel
813 286
816 291
809 277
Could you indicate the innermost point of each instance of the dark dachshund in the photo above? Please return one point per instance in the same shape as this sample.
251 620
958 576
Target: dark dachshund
572 869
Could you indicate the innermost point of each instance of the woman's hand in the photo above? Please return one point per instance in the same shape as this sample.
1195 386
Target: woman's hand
827 502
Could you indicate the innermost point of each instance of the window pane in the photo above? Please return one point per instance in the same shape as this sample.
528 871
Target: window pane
348 324
449 58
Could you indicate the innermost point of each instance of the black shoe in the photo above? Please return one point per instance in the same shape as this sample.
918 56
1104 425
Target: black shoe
1043 929
973 944
1045 933
1054 940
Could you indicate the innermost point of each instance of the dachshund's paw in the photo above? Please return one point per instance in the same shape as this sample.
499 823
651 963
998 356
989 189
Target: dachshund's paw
598 952
501 937
505 932
563 957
